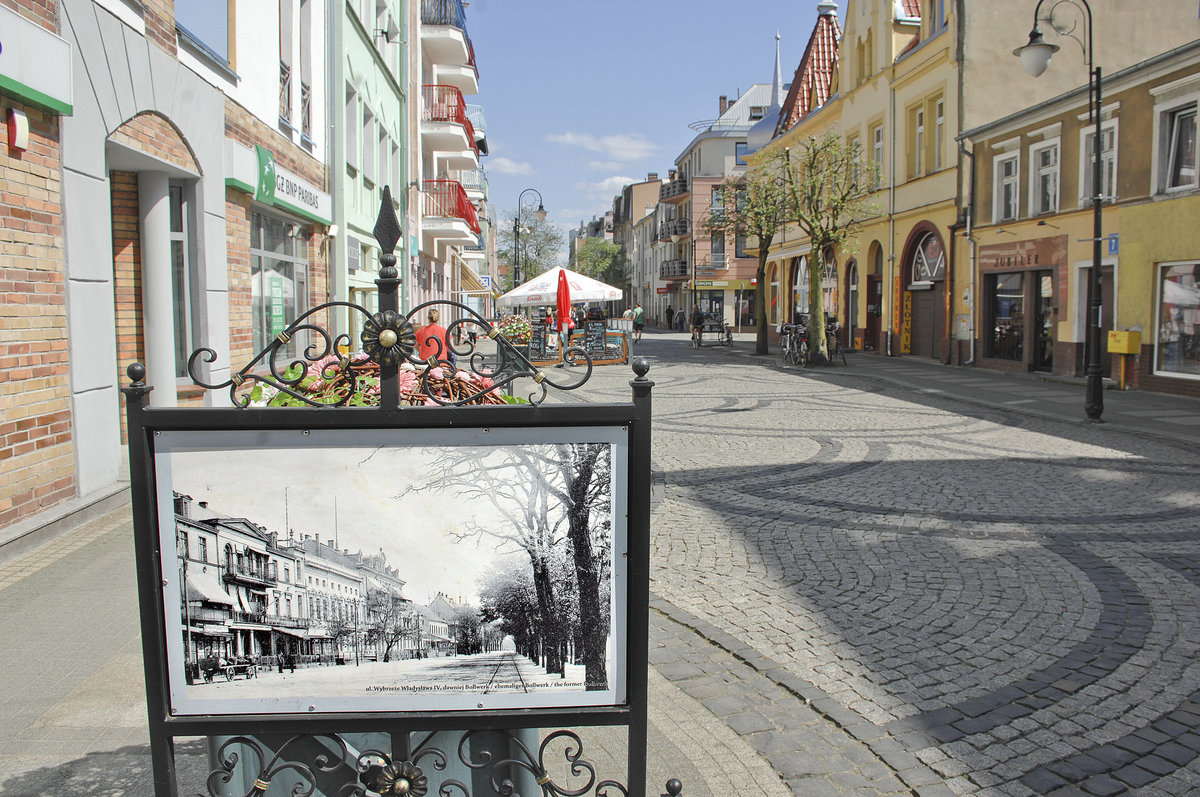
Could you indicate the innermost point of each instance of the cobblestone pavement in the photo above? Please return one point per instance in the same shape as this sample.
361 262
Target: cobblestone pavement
984 602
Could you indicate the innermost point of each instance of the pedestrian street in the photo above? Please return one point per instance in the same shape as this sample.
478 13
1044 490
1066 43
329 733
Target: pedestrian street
985 602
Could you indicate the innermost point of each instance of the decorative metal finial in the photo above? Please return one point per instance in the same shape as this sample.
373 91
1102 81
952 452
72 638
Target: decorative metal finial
136 373
387 234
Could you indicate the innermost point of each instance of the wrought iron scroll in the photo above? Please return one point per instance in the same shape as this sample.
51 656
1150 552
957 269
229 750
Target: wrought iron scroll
324 374
375 772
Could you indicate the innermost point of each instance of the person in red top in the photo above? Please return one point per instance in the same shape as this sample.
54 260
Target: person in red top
431 339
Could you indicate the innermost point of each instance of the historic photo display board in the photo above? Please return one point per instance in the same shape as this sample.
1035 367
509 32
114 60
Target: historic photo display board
393 570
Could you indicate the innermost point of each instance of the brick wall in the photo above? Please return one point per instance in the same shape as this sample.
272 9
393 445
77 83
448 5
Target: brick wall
127 274
159 16
237 253
43 12
35 421
153 134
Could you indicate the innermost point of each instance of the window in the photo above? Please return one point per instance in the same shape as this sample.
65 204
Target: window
306 48
1043 178
929 259
854 148
918 143
285 63
877 156
207 23
1007 183
757 112
939 133
351 127
1181 149
181 539
278 278
1006 316
368 146
202 549
739 153
1108 164
1176 347
183 280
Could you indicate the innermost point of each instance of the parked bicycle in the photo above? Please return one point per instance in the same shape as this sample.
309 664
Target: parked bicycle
796 348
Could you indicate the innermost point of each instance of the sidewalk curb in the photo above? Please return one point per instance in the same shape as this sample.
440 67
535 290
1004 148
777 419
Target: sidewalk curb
23 536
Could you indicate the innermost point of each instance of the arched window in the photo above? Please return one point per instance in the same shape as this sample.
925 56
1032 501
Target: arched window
928 261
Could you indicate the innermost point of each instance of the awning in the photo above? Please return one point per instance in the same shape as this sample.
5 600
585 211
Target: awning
202 585
290 632
470 280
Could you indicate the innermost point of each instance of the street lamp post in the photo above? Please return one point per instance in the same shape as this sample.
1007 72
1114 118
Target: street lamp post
1035 57
540 213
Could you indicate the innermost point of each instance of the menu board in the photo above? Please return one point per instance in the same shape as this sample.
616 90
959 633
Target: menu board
595 337
537 344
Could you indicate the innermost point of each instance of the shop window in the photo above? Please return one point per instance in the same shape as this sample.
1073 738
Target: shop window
1108 163
1006 316
1177 347
1043 178
1007 180
278 279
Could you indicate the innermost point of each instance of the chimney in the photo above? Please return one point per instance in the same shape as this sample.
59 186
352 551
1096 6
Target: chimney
724 104
651 176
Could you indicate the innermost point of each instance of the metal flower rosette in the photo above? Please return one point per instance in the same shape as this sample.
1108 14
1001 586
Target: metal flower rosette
475 363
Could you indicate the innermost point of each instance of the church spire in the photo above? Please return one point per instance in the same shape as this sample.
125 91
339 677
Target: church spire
777 83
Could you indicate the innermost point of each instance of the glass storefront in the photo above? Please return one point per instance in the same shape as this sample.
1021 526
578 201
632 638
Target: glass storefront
278 278
1177 348
1006 316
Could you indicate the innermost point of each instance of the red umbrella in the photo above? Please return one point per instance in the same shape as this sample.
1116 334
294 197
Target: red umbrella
564 300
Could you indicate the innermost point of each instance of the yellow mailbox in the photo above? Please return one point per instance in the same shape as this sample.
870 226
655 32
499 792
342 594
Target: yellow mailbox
1124 341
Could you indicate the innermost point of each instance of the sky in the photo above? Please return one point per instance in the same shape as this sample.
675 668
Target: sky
583 98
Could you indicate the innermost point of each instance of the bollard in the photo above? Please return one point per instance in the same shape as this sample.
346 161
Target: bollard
674 788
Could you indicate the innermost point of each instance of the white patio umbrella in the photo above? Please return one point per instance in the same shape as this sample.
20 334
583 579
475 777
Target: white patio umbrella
543 290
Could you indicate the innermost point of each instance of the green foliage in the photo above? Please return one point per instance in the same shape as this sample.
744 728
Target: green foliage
603 260
541 245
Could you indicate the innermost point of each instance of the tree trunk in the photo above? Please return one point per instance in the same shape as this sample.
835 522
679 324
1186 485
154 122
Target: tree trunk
592 630
547 609
817 347
760 298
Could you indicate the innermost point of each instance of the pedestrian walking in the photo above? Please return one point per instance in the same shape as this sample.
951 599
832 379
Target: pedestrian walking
670 316
639 322
432 340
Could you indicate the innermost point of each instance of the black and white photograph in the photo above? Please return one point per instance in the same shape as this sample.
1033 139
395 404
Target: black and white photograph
393 570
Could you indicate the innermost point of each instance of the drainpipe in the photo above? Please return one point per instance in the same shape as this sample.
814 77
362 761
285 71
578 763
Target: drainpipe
969 234
891 281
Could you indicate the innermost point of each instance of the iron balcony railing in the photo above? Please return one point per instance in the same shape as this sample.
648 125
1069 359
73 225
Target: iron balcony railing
674 189
257 618
198 615
446 199
452 13
673 269
673 227
286 622
475 114
445 104
241 572
473 180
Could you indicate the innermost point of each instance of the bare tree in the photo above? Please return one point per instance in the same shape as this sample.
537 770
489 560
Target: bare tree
827 199
754 204
389 621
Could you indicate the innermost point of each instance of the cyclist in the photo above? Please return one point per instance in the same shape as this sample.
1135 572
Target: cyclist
697 320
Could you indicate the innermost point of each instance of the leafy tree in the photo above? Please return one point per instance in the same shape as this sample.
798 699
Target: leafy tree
755 204
541 245
388 621
604 260
827 199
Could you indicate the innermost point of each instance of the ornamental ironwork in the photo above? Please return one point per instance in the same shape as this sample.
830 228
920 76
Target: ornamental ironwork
389 370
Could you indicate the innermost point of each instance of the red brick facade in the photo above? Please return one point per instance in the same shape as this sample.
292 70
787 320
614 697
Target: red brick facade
43 12
35 419
151 133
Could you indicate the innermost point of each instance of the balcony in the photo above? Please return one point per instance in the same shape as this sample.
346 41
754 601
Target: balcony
475 114
674 269
447 214
474 182
446 131
672 227
248 574
279 621
673 191
445 42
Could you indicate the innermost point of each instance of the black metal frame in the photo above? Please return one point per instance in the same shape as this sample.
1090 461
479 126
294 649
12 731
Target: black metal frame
389 351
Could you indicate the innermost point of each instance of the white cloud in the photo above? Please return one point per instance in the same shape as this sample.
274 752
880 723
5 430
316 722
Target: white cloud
604 166
620 147
502 165
607 187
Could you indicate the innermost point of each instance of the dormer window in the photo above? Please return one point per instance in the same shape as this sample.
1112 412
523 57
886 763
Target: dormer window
757 111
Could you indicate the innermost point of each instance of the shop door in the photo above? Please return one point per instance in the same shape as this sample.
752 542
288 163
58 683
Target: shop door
1043 321
874 311
927 323
1106 317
